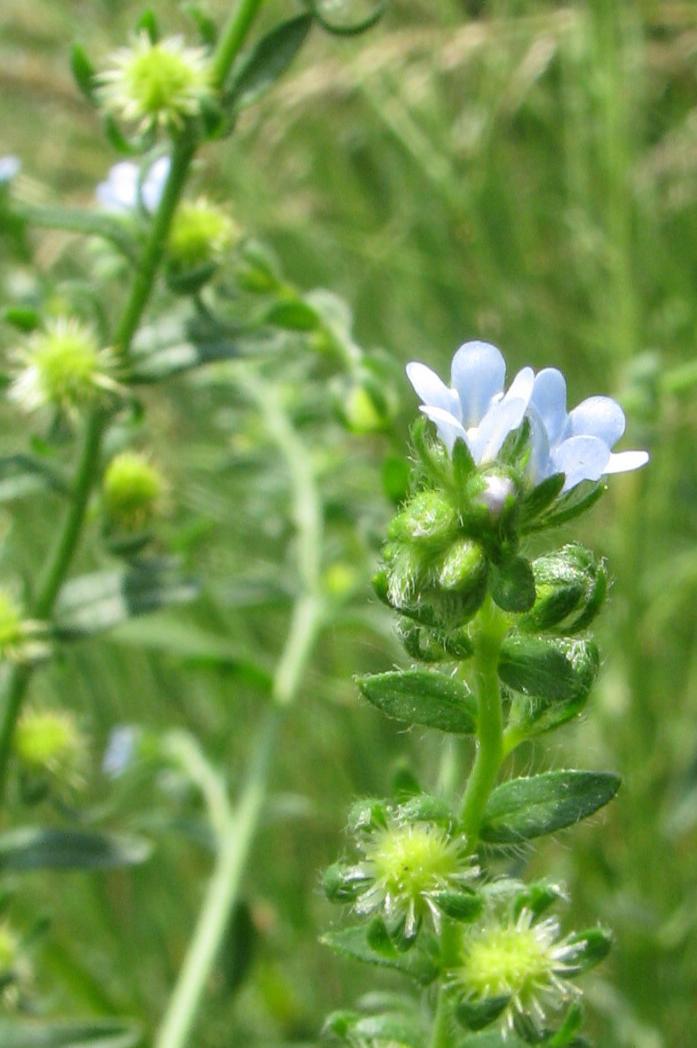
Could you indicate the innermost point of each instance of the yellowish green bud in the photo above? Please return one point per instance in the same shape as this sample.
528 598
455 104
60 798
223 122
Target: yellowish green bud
62 366
464 567
132 490
521 967
428 519
156 84
570 586
201 233
49 742
20 638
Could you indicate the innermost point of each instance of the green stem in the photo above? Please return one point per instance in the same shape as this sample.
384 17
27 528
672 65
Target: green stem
59 561
144 281
442 1033
232 39
236 838
51 580
490 630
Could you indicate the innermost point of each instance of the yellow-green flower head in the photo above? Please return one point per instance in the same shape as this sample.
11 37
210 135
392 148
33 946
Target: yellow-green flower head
156 84
522 959
132 489
201 233
50 742
20 638
62 366
406 866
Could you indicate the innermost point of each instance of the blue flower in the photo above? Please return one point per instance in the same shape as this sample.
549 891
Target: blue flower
474 408
10 166
578 443
123 190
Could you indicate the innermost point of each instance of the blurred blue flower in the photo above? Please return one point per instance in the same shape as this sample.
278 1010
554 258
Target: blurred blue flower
120 750
475 408
578 443
10 166
122 190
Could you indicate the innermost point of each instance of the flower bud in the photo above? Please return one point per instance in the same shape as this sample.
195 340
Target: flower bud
570 586
131 490
49 743
428 519
201 233
62 366
20 638
464 569
156 84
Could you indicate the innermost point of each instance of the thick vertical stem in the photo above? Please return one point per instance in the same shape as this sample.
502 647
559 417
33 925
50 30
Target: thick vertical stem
489 633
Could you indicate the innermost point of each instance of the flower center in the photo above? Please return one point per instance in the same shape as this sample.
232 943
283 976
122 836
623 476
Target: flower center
508 960
413 859
66 363
157 77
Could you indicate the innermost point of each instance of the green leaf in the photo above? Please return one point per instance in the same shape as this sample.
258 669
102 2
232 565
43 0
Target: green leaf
30 848
422 697
97 602
237 950
190 645
558 670
25 474
84 72
293 315
531 807
93 1033
418 963
156 364
384 1028
513 586
267 61
328 14
571 505
537 500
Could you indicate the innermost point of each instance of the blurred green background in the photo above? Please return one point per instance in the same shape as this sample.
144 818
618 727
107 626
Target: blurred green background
522 172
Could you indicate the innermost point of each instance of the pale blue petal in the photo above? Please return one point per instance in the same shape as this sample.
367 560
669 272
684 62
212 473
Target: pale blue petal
624 461
10 166
600 417
449 429
549 399
580 458
499 421
478 373
154 183
539 465
120 190
432 390
522 386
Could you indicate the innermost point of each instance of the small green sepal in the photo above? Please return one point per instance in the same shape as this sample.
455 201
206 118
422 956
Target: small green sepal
557 670
594 946
342 883
537 898
513 585
367 815
83 72
459 906
476 1015
571 586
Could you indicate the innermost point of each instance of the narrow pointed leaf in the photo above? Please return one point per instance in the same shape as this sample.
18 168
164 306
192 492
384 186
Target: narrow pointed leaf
267 61
531 807
97 602
29 848
94 1033
422 697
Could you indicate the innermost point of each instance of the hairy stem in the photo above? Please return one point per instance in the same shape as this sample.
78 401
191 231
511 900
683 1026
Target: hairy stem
442 1033
489 632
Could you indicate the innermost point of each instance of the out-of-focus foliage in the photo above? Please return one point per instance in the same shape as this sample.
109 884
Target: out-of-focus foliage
521 172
